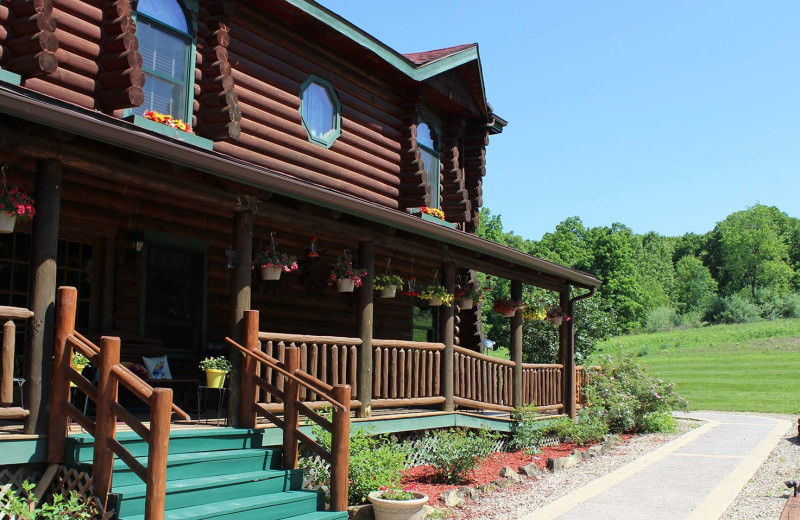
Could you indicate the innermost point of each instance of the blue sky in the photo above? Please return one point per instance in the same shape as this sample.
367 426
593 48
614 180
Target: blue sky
665 116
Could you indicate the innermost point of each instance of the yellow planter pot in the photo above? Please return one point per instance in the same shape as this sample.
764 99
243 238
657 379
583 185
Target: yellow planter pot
78 369
215 378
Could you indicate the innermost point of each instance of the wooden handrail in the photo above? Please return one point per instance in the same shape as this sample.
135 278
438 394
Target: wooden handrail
483 357
9 314
303 338
421 345
541 365
277 366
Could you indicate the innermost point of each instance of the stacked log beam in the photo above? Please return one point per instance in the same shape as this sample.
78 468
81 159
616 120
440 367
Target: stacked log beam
121 79
455 198
477 139
415 190
217 106
29 39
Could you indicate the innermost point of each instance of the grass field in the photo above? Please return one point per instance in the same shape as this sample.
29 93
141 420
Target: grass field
748 367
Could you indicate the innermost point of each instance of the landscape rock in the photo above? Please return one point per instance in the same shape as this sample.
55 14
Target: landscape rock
530 470
452 497
427 511
510 474
593 451
560 464
502 483
469 492
487 488
363 512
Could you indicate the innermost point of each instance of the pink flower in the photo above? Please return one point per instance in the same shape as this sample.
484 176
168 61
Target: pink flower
383 488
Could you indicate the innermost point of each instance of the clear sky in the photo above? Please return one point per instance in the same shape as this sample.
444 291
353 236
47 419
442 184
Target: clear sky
665 116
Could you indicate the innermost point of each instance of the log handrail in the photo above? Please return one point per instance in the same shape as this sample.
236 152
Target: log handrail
337 396
9 314
483 357
392 343
482 381
304 338
406 371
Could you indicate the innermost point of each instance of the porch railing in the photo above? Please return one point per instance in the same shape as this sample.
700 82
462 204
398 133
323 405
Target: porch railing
541 385
406 373
482 381
8 412
291 378
111 373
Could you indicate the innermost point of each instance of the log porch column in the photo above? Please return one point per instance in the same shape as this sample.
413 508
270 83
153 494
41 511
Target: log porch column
243 245
516 344
446 332
44 246
567 343
366 259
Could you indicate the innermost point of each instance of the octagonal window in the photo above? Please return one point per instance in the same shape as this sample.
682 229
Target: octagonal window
320 111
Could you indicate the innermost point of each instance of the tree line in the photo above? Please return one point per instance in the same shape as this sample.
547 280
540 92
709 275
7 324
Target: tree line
745 269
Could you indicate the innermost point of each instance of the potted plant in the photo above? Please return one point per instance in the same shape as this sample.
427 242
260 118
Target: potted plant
167 120
390 503
534 313
79 362
557 316
345 276
273 262
15 205
436 295
467 297
216 369
387 284
506 306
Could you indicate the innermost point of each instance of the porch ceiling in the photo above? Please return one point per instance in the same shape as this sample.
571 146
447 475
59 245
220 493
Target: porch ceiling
469 250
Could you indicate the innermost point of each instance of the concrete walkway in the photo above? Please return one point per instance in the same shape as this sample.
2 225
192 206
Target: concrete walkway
694 477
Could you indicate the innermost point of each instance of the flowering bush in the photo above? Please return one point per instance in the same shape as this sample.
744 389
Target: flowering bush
393 493
506 305
383 281
267 256
343 268
434 212
625 395
170 121
216 363
17 203
426 292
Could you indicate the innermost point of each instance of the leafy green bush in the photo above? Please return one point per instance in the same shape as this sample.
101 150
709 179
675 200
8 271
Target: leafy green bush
656 422
623 393
737 308
456 452
17 505
661 319
375 461
588 428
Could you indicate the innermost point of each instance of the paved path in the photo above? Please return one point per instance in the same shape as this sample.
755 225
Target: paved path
694 477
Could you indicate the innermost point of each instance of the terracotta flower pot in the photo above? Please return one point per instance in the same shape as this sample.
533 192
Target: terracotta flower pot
397 509
271 273
345 285
465 303
557 320
7 222
509 313
435 301
389 291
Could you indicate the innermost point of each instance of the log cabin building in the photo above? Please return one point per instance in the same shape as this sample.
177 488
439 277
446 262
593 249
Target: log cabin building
302 126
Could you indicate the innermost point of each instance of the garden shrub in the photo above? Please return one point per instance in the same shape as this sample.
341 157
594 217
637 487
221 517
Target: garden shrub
661 319
623 393
17 505
456 452
589 427
659 422
737 308
375 461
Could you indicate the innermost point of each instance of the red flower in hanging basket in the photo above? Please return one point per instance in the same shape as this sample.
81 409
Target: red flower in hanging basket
17 203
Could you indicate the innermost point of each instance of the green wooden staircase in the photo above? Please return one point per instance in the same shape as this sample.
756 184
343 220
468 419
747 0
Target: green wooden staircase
219 473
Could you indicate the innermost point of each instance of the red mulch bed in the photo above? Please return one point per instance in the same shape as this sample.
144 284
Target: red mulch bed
421 477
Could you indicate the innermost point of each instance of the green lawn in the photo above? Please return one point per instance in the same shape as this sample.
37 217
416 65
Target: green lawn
749 367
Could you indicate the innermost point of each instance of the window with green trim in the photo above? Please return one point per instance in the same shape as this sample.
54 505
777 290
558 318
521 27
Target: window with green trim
429 153
320 111
167 49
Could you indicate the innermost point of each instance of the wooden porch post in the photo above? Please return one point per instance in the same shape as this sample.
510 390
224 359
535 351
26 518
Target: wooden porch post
567 343
243 245
366 259
516 344
446 332
44 246
247 414
106 421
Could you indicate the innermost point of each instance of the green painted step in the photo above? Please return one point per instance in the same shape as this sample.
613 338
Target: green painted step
320 515
277 506
203 463
79 448
208 490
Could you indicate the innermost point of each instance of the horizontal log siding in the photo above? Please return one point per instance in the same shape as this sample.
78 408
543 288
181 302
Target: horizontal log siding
269 67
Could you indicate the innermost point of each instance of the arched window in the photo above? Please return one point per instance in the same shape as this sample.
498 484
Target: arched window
166 46
429 152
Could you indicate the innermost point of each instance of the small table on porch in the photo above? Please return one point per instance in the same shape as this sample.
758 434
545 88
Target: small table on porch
203 390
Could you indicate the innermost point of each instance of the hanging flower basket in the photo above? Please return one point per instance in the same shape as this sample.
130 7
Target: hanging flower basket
557 316
467 297
387 284
436 295
273 262
534 314
344 275
506 307
15 205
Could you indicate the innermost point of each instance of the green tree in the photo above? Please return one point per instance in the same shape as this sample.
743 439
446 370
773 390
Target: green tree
696 288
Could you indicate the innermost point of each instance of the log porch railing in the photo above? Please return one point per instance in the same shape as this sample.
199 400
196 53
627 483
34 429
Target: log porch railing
541 384
406 373
111 373
8 412
282 382
482 381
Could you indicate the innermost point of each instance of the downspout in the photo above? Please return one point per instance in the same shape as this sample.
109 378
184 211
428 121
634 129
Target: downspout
579 298
573 391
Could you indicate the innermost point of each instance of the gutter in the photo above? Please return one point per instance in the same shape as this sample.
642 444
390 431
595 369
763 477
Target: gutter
31 106
571 309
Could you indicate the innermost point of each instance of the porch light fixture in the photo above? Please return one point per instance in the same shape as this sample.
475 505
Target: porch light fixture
136 240
230 257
